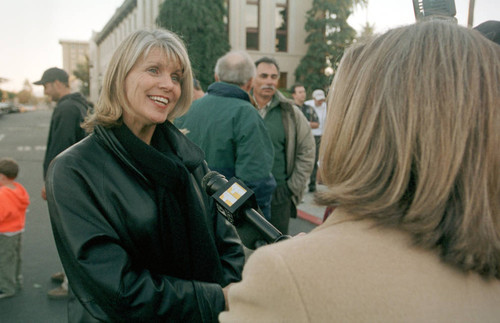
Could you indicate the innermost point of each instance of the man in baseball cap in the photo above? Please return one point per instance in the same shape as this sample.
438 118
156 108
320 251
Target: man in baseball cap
53 74
318 95
64 131
319 105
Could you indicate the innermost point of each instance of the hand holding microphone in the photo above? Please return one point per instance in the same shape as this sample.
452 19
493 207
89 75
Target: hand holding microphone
237 203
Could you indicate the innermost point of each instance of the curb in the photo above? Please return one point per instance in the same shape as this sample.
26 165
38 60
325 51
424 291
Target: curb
308 217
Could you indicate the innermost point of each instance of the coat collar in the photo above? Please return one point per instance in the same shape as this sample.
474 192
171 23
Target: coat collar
338 216
228 90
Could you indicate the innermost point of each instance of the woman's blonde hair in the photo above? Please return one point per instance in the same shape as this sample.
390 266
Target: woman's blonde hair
412 139
112 100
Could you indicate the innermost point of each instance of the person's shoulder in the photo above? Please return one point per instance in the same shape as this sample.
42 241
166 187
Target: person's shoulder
246 106
195 106
298 113
86 156
66 107
17 184
283 99
228 105
327 240
290 255
86 147
307 106
238 97
73 100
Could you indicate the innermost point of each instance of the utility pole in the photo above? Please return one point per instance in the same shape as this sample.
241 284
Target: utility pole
470 21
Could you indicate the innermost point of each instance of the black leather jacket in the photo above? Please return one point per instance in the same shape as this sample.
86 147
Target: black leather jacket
102 214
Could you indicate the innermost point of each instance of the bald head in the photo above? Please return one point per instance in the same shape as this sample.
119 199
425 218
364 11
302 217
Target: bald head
235 67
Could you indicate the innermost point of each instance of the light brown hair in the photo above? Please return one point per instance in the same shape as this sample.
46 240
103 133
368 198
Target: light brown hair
412 140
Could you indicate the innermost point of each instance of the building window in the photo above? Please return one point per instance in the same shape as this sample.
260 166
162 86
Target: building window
281 19
282 84
252 24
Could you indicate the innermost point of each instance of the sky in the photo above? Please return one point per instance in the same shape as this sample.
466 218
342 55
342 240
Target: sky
386 14
30 30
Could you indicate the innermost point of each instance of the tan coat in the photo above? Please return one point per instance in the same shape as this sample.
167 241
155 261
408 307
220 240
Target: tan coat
351 271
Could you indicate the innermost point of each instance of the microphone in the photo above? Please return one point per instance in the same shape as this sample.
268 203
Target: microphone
237 204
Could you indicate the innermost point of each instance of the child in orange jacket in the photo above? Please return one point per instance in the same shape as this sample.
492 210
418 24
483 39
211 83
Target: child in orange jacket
14 201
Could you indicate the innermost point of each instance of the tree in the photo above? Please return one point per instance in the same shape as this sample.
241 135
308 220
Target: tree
367 32
25 96
82 73
329 35
200 23
6 95
1 91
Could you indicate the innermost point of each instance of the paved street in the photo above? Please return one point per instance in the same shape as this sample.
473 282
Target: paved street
23 137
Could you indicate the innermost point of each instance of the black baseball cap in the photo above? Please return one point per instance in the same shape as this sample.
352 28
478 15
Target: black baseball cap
53 74
490 29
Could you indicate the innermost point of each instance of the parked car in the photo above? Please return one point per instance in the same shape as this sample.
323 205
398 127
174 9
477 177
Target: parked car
4 108
15 109
8 107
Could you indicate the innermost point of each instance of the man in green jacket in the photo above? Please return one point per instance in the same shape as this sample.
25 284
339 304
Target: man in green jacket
294 146
228 128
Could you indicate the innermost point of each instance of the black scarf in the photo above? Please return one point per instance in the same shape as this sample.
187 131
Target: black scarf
187 238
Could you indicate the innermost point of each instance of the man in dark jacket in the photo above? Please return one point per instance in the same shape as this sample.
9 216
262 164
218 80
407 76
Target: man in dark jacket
299 98
230 131
65 130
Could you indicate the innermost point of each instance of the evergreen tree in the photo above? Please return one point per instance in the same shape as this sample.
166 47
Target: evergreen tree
83 74
367 32
201 26
329 35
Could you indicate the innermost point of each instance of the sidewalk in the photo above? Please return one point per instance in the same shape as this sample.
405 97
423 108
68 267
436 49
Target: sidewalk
310 211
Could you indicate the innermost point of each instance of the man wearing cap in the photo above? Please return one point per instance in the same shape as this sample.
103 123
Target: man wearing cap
319 105
292 140
64 131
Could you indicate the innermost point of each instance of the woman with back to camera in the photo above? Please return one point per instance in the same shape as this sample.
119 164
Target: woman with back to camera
411 159
138 238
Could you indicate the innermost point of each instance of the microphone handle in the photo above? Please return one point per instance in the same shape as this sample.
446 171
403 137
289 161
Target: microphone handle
270 233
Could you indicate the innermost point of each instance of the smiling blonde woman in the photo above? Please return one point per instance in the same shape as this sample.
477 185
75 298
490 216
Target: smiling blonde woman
138 238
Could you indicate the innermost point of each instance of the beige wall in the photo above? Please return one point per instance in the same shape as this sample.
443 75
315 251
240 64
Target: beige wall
73 53
126 19
288 61
129 18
